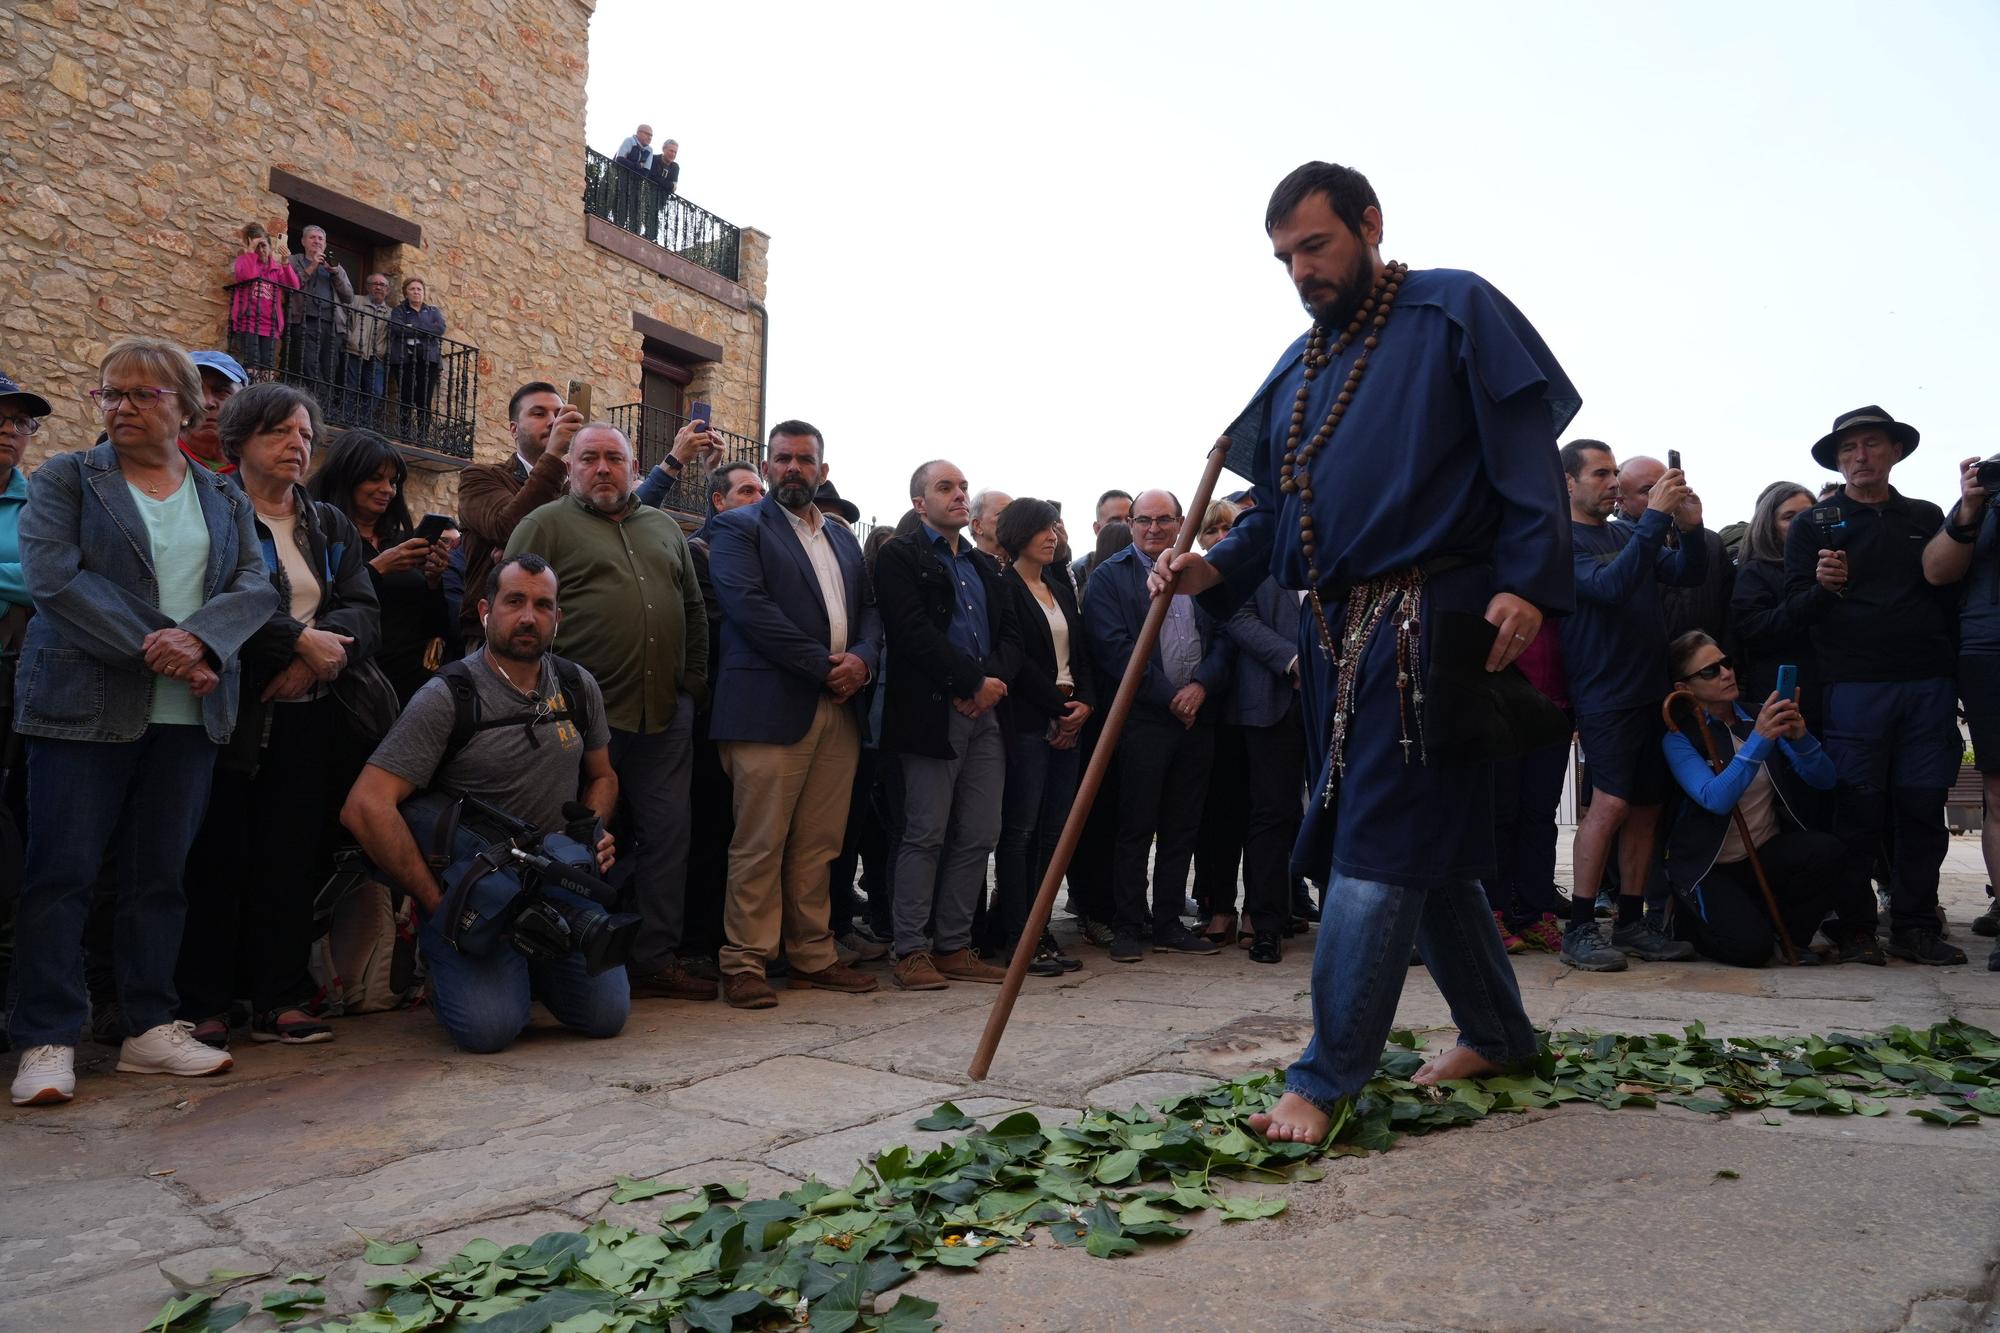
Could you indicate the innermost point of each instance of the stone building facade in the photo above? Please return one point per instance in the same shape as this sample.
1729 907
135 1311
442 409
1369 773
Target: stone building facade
443 142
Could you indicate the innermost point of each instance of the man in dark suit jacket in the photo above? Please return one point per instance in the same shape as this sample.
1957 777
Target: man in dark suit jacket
1169 741
800 637
955 642
1265 703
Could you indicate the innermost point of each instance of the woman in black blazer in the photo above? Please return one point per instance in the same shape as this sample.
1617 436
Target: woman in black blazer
1046 707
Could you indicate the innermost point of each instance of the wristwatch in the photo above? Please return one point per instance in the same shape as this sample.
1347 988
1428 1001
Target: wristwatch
1962 533
671 464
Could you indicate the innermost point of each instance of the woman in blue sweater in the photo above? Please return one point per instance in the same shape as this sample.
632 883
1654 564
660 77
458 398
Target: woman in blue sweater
1775 760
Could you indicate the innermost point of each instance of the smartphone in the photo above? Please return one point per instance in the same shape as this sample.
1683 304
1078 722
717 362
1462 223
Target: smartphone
704 413
1674 459
434 525
579 397
1788 682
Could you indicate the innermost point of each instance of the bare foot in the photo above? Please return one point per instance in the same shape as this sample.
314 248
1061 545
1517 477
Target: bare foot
1458 1062
1292 1120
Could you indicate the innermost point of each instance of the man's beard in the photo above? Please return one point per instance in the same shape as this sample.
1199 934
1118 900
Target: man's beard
1333 311
616 505
504 645
793 492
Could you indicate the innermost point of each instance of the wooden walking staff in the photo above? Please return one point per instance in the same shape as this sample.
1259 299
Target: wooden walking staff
1716 764
1093 778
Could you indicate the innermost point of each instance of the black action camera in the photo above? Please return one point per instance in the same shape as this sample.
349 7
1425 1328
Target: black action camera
1832 525
1989 478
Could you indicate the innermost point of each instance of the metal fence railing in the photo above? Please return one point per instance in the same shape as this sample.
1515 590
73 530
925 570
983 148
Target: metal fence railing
639 203
390 371
652 431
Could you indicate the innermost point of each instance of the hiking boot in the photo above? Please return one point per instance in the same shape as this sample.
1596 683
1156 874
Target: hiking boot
170 1048
836 977
1584 947
1267 947
1125 949
47 1076
1179 939
916 971
1508 939
1641 939
1098 933
1988 921
747 990
1924 946
1859 945
672 982
1545 932
965 965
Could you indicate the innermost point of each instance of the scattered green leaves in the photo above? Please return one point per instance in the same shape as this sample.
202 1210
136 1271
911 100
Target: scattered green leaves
947 1116
382 1252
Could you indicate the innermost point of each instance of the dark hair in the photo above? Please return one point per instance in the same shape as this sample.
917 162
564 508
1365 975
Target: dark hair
528 390
1022 521
796 427
1573 452
922 476
878 537
1347 192
526 562
718 480
1115 538
356 456
910 522
1112 494
1683 648
1761 541
259 408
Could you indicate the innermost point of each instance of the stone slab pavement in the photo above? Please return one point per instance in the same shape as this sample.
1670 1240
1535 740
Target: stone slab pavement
1575 1218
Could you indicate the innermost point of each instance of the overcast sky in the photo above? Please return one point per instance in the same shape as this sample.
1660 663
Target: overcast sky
1029 237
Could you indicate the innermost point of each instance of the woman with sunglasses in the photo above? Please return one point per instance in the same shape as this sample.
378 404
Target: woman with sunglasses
146 580
1775 761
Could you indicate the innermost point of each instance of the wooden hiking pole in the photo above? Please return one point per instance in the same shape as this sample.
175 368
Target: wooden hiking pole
1093 778
1716 765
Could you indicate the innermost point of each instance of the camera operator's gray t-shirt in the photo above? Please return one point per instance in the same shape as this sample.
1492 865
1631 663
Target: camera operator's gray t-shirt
528 779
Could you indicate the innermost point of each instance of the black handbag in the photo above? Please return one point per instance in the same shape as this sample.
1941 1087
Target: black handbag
367 701
1475 716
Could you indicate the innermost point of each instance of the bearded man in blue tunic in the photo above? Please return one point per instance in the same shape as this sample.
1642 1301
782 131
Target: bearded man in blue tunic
1406 476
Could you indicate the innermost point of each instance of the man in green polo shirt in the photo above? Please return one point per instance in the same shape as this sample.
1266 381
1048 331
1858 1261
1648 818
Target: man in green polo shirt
633 617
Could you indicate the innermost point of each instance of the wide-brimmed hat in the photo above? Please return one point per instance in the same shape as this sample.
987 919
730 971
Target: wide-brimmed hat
36 405
1827 455
826 497
223 364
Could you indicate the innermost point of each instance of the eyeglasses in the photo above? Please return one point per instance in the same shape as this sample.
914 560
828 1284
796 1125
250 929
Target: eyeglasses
1712 670
109 400
25 425
1167 522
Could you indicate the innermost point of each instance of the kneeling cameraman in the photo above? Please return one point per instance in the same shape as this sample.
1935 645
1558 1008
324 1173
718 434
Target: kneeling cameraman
532 739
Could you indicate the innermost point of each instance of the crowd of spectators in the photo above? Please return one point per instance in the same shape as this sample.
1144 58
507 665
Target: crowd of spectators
244 690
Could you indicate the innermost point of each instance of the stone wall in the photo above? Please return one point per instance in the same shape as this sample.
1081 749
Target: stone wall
137 137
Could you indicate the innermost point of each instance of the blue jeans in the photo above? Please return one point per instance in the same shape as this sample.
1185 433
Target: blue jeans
1041 785
1896 747
134 805
1366 929
483 1002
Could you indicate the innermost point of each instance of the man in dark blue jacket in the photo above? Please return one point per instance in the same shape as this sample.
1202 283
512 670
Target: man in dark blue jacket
1169 741
1265 703
800 637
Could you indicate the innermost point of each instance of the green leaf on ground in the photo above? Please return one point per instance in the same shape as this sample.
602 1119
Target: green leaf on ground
383 1252
947 1116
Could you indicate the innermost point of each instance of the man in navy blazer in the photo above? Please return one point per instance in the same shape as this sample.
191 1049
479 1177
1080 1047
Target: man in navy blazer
800 638
1265 703
1168 747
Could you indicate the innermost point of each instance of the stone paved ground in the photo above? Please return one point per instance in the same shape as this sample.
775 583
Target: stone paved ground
1570 1219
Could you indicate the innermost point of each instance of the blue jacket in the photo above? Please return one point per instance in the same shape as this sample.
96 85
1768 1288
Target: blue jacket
771 667
13 586
1114 609
1265 630
1704 819
88 565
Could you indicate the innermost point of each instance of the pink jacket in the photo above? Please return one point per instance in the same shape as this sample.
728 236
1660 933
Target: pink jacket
257 307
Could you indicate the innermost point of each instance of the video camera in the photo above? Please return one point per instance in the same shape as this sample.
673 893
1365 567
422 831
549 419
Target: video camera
505 881
1989 479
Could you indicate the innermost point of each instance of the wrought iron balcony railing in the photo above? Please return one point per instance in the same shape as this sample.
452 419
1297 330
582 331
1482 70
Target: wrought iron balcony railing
385 371
652 432
636 202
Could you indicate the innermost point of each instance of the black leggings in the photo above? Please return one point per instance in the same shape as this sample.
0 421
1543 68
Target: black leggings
1811 874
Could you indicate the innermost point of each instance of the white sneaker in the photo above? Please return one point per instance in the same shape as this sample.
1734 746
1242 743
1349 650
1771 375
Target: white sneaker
170 1048
47 1076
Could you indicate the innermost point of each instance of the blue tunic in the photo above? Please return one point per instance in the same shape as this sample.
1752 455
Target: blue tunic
1448 450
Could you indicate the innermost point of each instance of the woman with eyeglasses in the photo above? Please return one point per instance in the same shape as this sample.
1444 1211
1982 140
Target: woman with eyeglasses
250 912
147 581
1774 762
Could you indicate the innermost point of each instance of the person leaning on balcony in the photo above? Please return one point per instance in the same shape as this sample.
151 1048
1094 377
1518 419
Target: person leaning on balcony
319 311
414 350
494 497
695 452
147 581
635 155
368 346
262 275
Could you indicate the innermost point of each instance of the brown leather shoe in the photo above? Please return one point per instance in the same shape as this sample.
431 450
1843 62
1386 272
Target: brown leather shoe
836 977
747 990
916 972
673 982
965 965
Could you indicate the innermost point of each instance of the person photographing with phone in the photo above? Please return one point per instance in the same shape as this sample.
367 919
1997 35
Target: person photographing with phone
263 274
1774 759
695 453
1881 617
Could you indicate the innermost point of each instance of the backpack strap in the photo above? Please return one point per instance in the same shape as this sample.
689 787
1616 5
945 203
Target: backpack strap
457 676
570 675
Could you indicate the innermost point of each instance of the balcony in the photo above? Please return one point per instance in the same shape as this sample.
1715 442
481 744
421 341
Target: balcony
368 371
634 202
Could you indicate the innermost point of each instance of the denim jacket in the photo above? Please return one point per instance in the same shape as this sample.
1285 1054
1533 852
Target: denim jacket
88 565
